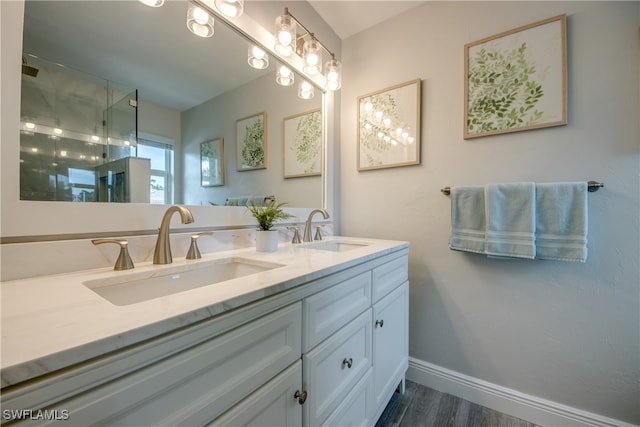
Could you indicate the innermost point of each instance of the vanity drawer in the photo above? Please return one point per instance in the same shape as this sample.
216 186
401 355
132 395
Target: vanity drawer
196 385
331 309
333 368
389 276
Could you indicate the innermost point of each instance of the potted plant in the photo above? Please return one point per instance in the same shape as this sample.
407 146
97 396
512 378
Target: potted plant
267 215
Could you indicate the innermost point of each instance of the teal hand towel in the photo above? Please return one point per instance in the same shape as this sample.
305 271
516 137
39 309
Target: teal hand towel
467 219
561 221
510 211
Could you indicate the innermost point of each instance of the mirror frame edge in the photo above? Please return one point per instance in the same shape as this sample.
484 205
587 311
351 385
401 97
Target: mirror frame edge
29 218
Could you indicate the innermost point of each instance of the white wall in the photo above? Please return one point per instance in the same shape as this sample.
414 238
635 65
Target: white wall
565 332
217 118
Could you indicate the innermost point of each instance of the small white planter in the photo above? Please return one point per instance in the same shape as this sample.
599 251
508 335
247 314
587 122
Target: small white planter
266 241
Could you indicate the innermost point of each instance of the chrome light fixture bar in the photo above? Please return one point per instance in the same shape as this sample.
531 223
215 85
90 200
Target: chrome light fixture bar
287 42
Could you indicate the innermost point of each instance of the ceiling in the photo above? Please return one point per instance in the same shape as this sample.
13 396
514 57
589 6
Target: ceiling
348 17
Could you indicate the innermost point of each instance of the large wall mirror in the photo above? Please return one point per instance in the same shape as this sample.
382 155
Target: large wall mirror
136 82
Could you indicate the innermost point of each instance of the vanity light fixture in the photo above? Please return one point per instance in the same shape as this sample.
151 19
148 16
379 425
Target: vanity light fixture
305 90
258 58
284 76
312 56
152 3
230 8
333 74
285 34
308 47
199 21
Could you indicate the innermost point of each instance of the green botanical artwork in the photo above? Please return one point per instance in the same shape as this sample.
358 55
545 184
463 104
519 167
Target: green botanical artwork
308 142
504 89
517 80
389 127
251 140
303 144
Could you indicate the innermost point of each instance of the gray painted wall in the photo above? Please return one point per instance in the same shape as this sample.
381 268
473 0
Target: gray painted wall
564 332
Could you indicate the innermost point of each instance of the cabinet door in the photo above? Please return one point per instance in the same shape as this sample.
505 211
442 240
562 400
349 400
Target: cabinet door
273 404
390 343
334 367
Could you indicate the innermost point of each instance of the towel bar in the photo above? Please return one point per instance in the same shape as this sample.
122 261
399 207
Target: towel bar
592 186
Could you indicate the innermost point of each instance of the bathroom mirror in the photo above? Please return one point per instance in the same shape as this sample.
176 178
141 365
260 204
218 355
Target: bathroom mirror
190 90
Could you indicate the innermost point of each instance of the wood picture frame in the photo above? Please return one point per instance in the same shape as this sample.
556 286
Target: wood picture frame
516 80
389 127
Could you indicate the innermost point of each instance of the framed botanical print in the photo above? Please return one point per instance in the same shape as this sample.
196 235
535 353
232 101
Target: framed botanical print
212 163
389 127
516 80
251 142
303 144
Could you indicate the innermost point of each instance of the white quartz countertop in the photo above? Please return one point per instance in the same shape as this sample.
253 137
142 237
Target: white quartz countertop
52 322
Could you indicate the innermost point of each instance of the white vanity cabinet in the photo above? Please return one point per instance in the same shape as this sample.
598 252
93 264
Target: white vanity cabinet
330 351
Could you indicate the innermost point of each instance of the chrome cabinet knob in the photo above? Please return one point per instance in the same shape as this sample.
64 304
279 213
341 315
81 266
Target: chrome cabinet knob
347 362
301 396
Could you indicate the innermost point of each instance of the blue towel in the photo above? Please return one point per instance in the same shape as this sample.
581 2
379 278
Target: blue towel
510 211
561 221
467 219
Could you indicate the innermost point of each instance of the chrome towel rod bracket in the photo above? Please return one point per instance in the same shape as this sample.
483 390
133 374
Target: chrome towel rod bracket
591 187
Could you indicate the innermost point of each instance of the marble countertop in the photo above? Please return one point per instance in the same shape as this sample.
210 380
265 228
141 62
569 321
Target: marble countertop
52 322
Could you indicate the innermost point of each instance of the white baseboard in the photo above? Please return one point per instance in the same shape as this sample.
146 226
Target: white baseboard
530 408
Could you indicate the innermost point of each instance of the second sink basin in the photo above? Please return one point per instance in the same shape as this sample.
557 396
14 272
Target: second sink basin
138 287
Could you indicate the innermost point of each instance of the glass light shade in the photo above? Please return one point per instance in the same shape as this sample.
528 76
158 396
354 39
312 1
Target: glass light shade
285 35
333 74
305 90
312 57
284 76
230 8
257 58
199 21
152 3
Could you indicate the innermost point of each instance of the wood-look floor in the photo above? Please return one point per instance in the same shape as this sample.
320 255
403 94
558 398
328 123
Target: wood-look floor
421 406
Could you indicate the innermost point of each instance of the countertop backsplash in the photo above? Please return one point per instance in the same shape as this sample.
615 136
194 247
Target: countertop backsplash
31 259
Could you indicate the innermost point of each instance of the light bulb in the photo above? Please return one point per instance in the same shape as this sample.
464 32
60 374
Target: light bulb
199 21
312 54
230 8
333 74
152 3
30 125
285 35
57 131
284 76
257 58
305 90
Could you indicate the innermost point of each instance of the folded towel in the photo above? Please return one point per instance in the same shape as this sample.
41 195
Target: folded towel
561 221
510 211
467 219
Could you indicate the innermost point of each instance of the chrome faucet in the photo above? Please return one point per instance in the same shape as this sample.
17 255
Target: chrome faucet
307 225
162 253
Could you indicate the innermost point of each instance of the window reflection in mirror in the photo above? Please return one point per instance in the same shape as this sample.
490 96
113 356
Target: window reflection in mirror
205 88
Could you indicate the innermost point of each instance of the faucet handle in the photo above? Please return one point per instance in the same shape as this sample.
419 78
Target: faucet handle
296 234
318 235
194 252
124 261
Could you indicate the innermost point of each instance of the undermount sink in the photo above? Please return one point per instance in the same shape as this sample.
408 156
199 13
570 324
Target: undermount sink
336 246
138 287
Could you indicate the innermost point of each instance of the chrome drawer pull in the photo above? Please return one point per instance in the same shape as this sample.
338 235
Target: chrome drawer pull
347 362
301 396
379 323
